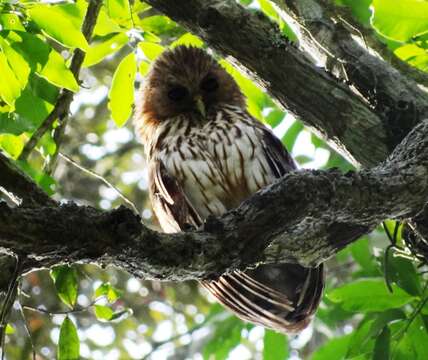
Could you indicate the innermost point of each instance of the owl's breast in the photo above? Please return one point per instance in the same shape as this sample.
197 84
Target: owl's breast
219 165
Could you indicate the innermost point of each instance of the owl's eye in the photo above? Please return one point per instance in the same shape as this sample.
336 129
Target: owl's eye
209 84
177 93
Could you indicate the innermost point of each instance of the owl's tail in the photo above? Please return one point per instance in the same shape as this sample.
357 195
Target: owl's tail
282 297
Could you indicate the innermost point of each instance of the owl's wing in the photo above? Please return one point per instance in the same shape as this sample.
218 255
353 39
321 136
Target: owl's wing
280 296
170 204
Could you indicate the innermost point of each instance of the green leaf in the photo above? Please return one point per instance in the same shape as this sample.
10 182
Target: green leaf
275 117
403 273
103 313
46 182
382 344
226 337
42 59
414 55
188 39
400 20
56 72
418 334
107 290
58 26
105 25
119 10
151 50
12 144
158 24
66 284
121 315
10 22
290 137
121 95
361 342
360 9
275 346
361 253
10 329
16 62
144 68
68 343
10 87
100 49
369 295
334 349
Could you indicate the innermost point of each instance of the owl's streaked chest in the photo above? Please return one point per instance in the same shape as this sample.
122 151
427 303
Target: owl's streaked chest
218 164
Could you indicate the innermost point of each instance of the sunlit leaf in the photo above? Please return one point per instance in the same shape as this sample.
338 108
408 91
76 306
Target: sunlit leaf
143 67
10 87
103 313
16 62
275 345
151 50
58 26
12 144
10 329
414 55
10 22
44 60
119 10
66 284
100 49
109 291
188 39
68 343
158 24
121 95
400 20
369 295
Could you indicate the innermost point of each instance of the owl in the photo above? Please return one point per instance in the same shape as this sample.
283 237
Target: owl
205 155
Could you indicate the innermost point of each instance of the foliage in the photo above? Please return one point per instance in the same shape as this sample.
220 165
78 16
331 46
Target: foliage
83 311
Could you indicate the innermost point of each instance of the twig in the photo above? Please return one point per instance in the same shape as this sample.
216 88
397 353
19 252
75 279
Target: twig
8 302
105 181
27 330
59 312
61 109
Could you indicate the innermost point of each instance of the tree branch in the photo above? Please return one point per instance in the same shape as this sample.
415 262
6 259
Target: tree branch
311 215
374 42
323 103
62 106
396 98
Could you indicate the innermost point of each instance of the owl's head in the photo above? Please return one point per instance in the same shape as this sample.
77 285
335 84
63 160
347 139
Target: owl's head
186 80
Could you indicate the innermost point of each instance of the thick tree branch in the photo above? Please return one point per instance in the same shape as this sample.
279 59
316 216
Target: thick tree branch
323 103
398 100
19 184
341 13
311 215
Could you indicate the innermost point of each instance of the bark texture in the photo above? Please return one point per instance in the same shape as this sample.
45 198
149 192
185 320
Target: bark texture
305 217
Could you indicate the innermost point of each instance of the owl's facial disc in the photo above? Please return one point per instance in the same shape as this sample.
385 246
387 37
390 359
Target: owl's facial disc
195 98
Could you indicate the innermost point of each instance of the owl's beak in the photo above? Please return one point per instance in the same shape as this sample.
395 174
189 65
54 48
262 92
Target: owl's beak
200 106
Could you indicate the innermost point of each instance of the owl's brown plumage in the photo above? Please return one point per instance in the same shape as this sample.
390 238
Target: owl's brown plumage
205 155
